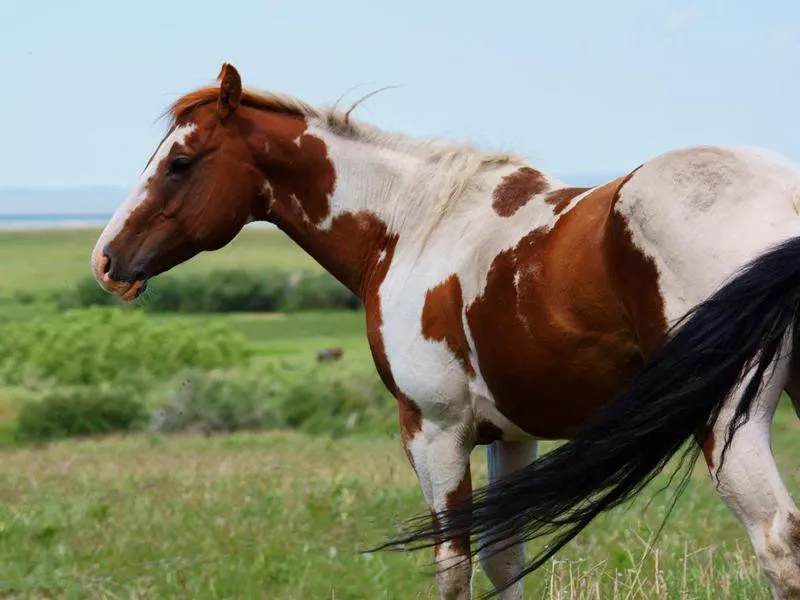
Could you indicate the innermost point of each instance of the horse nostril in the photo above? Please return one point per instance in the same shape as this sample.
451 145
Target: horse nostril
106 262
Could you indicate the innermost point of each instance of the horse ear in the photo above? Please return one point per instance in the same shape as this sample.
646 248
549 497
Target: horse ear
230 91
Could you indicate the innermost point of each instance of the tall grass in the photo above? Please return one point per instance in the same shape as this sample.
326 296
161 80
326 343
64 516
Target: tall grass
285 516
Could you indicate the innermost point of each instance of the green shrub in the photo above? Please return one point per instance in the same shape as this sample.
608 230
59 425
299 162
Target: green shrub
229 290
315 291
288 394
65 412
323 402
95 345
216 401
87 292
243 291
170 293
24 297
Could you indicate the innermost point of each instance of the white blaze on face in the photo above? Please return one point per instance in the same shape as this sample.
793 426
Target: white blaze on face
137 196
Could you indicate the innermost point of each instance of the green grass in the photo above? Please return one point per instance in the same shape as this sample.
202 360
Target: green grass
285 515
294 333
50 260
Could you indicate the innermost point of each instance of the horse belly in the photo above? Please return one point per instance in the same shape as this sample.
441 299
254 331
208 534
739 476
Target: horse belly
550 380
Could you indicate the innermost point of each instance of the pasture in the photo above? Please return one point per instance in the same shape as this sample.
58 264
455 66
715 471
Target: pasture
284 514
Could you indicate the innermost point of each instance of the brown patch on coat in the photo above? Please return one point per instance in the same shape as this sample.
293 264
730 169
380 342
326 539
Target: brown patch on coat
443 319
556 332
634 276
708 449
561 197
516 190
462 493
294 163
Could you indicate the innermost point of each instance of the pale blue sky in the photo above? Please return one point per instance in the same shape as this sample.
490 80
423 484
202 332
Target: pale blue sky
579 87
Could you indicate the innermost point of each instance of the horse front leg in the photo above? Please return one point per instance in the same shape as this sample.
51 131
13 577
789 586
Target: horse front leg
439 453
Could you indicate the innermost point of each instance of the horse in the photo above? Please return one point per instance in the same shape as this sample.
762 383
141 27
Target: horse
650 316
329 354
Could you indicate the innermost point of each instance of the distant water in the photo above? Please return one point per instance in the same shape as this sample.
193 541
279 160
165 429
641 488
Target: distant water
52 221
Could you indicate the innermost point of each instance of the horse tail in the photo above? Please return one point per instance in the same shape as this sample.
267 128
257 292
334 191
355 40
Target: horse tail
676 396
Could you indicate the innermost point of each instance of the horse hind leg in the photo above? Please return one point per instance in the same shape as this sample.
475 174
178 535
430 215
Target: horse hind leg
504 458
749 483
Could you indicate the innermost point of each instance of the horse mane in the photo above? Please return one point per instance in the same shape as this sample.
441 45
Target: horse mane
338 121
259 99
451 168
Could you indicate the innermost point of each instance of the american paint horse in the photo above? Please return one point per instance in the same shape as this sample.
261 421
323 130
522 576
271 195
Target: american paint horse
646 317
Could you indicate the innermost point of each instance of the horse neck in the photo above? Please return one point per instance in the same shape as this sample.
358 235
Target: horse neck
356 195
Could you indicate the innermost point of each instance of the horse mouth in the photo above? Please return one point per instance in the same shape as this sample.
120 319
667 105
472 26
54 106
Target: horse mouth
135 290
125 290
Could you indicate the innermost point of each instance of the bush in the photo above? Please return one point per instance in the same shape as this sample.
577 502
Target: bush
216 402
230 290
66 412
293 395
243 291
95 345
320 402
87 292
319 291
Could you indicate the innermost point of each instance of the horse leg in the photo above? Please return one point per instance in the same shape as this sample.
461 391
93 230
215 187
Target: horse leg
504 458
440 457
749 483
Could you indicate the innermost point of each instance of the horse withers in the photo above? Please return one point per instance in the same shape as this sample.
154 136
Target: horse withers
504 306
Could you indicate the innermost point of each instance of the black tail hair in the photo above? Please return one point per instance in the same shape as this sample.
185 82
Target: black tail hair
675 396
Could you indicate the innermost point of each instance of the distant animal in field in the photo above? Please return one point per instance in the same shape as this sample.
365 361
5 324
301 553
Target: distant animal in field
329 354
653 314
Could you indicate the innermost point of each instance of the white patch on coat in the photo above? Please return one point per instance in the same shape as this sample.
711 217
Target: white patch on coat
702 213
268 193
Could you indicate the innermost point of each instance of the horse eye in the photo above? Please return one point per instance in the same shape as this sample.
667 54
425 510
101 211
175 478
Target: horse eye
179 165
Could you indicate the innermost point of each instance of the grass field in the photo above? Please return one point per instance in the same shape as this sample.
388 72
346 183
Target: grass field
283 515
297 333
